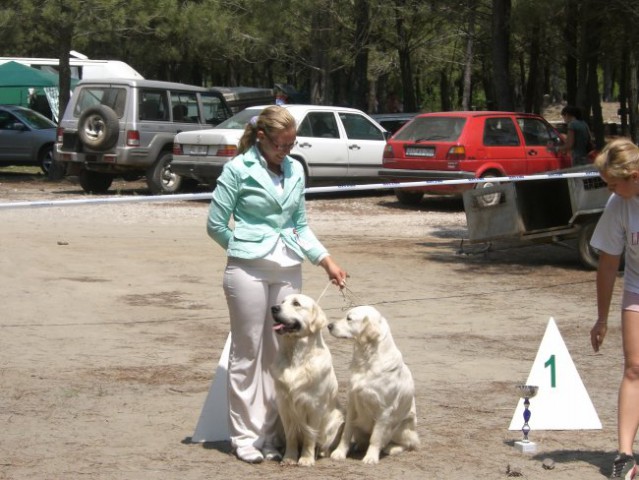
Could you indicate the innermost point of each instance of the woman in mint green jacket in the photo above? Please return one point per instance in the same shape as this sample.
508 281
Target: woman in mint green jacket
258 215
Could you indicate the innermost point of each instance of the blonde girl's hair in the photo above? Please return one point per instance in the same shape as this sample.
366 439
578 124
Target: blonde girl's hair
271 120
618 159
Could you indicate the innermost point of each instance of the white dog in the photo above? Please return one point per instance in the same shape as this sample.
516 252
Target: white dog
305 382
381 398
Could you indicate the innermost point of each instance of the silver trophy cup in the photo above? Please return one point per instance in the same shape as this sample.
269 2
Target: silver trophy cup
526 392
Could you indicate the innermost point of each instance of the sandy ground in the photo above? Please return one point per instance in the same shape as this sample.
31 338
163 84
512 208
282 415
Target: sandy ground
113 320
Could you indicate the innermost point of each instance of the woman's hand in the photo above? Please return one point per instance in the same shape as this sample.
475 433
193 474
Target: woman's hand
598 333
335 273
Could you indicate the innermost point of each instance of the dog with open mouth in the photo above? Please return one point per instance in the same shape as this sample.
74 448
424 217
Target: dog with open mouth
305 381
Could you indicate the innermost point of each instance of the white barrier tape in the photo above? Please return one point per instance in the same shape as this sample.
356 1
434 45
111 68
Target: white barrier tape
331 189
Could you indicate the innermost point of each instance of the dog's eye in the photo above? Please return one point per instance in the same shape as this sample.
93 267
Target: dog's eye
296 303
348 318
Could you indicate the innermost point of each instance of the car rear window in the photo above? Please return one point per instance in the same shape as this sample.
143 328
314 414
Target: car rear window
112 97
430 129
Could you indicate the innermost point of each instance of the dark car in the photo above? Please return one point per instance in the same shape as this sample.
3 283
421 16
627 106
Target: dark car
393 121
26 137
466 145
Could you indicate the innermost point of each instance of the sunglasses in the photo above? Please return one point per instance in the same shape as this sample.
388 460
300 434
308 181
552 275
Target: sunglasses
281 148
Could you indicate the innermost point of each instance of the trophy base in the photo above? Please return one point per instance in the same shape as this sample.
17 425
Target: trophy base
526 447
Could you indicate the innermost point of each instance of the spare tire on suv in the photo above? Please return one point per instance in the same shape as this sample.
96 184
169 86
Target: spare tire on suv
98 127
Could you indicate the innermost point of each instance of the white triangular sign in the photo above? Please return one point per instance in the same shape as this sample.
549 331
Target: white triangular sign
562 402
213 425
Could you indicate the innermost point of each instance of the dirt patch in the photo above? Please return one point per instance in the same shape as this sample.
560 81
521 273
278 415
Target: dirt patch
110 341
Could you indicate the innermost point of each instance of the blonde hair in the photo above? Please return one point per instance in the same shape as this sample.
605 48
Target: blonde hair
272 119
618 159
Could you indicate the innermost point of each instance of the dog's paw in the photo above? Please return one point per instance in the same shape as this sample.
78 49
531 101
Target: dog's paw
393 449
306 462
370 460
288 461
338 455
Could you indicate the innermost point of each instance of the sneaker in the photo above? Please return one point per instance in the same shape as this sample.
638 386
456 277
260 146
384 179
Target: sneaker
249 454
624 467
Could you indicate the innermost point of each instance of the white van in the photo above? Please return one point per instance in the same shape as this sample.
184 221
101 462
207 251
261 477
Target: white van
81 67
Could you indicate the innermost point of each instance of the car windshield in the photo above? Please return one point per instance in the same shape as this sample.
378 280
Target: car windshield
239 120
35 120
428 129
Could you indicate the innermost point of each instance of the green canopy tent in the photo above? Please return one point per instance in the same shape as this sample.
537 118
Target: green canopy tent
16 79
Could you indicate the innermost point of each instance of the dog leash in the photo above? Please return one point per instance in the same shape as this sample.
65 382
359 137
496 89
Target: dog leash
349 298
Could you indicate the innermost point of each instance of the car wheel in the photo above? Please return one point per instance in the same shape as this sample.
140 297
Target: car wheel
98 127
490 199
160 178
45 158
408 198
95 182
588 256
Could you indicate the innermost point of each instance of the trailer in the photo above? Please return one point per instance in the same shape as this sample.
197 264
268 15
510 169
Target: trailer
549 210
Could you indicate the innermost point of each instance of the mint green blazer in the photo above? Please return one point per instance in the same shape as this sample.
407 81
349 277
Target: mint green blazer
261 215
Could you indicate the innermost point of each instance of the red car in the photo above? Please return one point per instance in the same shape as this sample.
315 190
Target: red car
461 145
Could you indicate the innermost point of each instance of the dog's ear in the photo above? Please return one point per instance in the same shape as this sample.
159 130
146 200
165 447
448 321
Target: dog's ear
371 331
319 319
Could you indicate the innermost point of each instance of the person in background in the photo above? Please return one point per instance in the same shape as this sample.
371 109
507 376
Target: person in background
263 190
617 232
393 104
578 138
281 98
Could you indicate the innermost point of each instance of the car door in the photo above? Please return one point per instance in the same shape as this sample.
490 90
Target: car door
15 138
365 143
539 138
502 145
321 145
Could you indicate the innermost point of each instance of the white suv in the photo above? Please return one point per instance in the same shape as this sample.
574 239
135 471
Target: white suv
333 143
125 127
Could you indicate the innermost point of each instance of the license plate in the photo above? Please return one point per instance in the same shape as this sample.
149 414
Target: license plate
420 152
199 149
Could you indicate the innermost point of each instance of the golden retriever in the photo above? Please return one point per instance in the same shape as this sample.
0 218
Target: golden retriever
305 382
381 397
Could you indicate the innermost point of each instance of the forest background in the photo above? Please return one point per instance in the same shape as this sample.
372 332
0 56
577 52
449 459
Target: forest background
436 55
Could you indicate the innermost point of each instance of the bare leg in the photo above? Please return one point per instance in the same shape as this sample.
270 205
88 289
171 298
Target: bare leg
628 413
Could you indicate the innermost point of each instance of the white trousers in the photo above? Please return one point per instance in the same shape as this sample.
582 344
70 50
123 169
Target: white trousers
252 287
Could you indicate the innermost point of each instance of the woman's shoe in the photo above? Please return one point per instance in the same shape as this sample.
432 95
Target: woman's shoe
249 454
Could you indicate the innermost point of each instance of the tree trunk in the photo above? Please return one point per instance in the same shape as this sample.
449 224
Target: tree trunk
445 91
64 72
532 99
468 60
570 40
501 54
623 88
634 97
405 65
320 44
360 72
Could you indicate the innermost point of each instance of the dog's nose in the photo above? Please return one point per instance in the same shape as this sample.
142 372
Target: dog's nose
330 326
275 309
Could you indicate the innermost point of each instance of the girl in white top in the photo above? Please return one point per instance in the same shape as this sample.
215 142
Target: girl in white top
618 232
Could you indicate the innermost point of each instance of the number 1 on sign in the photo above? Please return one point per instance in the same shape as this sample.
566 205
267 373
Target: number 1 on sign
553 373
